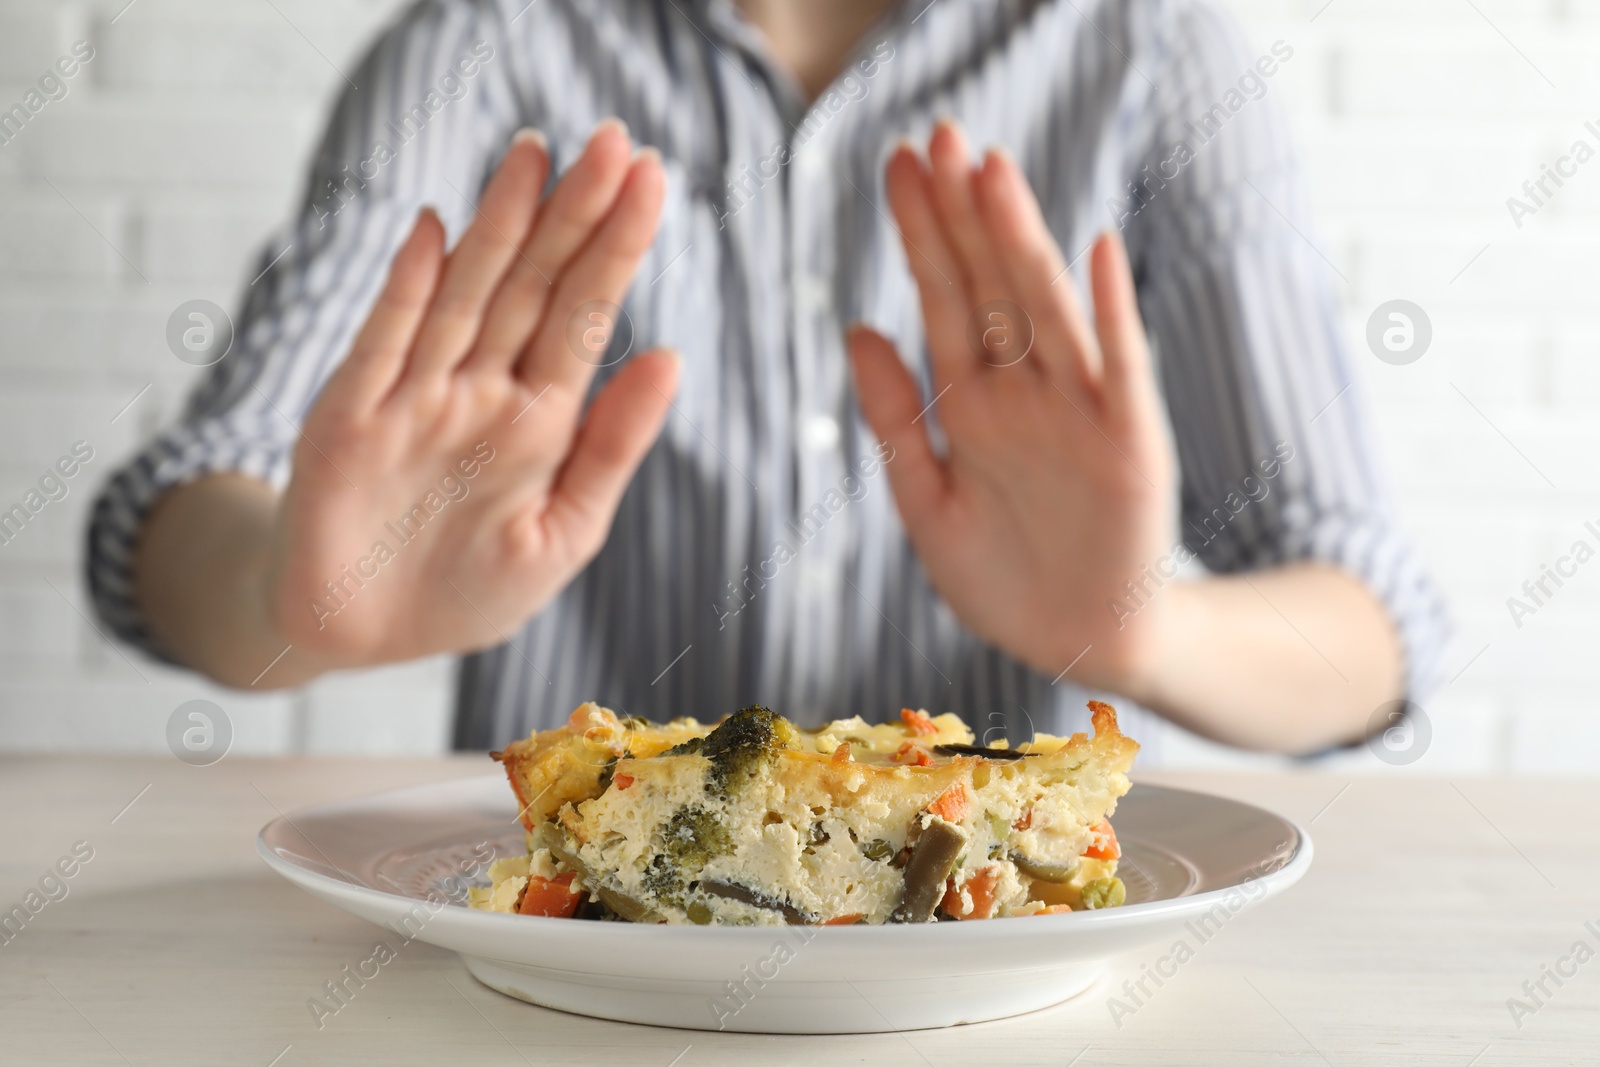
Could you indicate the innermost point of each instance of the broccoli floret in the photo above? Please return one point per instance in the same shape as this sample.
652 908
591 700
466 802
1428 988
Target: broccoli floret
745 741
693 835
609 770
689 840
664 881
688 748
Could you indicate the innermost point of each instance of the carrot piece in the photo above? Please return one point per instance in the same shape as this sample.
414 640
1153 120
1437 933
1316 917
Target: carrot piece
622 781
844 920
1054 909
980 890
1024 820
1103 842
551 897
918 722
842 753
951 805
914 754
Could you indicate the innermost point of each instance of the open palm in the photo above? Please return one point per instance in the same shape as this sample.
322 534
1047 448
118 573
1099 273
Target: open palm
448 482
1055 489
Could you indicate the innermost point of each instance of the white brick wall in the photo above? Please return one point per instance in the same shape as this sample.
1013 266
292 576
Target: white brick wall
183 143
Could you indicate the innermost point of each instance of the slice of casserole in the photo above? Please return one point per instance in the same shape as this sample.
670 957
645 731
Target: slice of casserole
758 822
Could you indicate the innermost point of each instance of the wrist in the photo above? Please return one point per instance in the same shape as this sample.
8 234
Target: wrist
280 656
263 616
243 639
1154 644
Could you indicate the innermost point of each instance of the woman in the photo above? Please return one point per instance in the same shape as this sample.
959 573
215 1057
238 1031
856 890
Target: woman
725 492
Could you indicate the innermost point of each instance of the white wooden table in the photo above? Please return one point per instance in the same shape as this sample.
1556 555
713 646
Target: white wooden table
174 944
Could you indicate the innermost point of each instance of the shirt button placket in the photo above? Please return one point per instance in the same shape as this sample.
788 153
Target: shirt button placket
815 335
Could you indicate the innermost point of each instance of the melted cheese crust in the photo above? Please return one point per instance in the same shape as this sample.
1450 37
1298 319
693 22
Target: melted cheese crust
817 834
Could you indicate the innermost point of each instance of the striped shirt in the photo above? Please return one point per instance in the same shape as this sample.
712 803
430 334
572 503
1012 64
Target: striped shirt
758 556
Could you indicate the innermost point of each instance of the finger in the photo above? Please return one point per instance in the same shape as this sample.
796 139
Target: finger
480 259
894 410
952 173
378 354
1038 271
934 266
622 424
600 272
581 200
1124 348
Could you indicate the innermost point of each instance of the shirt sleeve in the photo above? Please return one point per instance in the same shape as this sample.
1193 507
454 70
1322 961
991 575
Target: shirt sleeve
422 120
1272 436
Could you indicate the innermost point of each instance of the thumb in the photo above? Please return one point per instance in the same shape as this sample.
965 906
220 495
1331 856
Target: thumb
894 410
622 424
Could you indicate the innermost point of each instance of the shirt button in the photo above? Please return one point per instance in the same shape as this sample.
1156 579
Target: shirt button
810 164
820 577
813 294
820 433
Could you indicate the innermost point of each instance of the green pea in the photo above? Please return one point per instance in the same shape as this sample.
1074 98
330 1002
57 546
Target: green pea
699 912
1104 893
999 825
877 849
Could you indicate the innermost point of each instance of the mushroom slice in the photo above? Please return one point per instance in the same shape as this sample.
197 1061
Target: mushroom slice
932 858
744 894
1045 872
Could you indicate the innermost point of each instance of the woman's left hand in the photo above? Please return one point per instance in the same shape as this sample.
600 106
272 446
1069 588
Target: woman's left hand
1056 486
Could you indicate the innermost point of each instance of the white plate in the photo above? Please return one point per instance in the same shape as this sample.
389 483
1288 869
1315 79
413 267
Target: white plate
396 859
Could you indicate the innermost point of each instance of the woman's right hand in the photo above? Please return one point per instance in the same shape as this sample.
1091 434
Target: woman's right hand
447 483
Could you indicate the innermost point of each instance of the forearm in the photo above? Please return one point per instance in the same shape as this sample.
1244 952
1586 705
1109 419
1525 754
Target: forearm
1291 659
199 575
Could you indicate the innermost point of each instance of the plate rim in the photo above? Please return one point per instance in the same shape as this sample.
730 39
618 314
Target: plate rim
314 881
